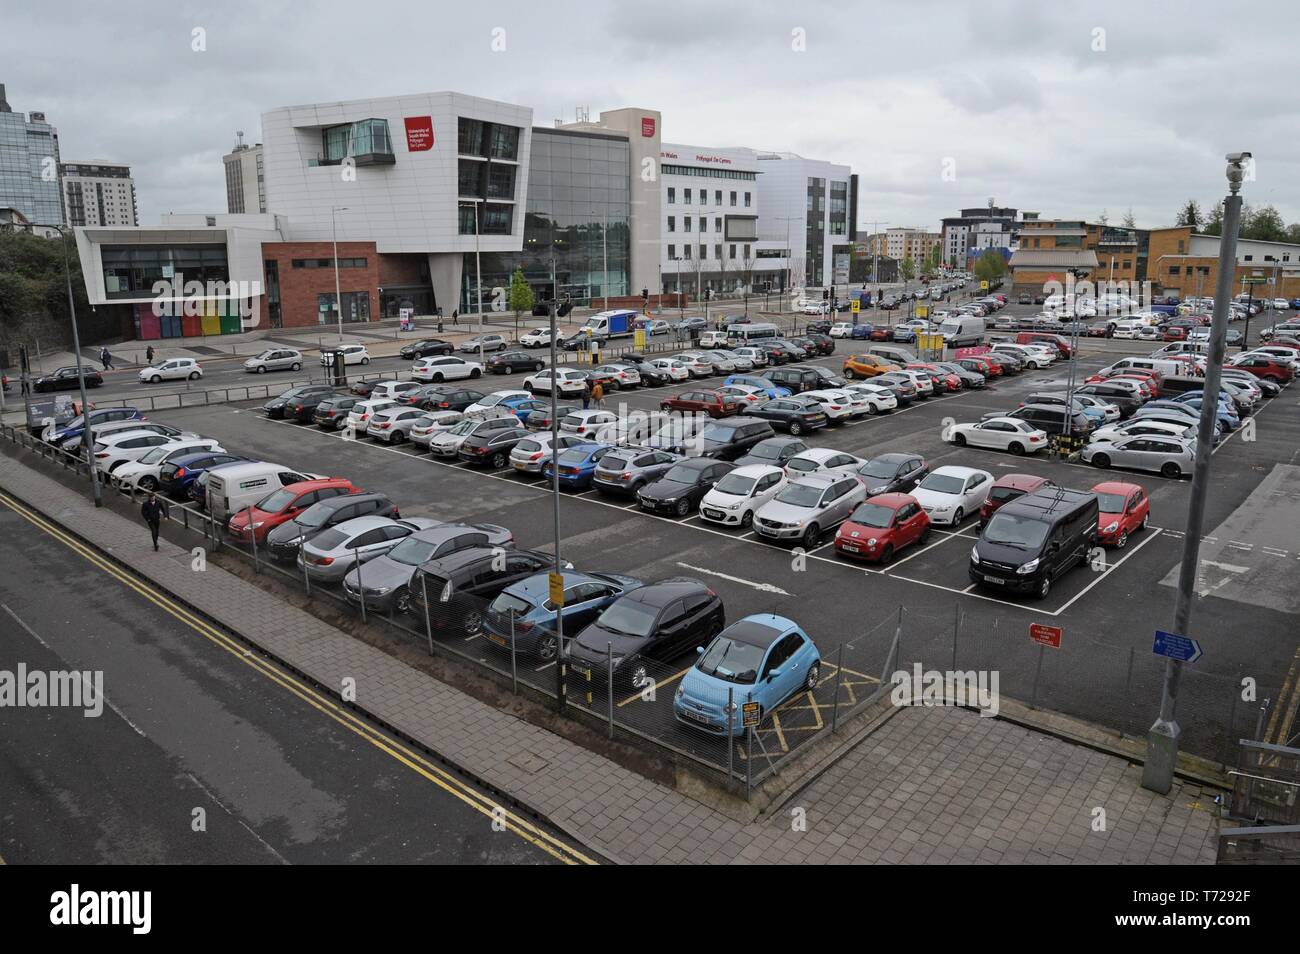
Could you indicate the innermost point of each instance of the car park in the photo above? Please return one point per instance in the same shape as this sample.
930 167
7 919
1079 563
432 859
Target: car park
950 494
682 486
282 505
274 359
999 433
809 506
1123 510
173 369
881 526
1034 540
284 541
352 354
762 660
441 368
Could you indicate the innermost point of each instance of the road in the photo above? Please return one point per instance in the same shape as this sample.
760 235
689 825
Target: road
195 727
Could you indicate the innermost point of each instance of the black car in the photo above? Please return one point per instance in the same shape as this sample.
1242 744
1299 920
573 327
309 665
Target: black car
653 624
773 452
680 490
426 348
1122 398
796 380
819 326
539 419
505 362
298 403
491 448
823 340
284 541
476 575
892 473
331 413
829 379
732 437
774 353
793 414
443 397
1010 363
792 351
66 378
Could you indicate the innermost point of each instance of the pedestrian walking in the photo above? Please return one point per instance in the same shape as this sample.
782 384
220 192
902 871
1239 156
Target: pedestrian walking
106 359
1110 330
455 316
154 511
148 355
586 395
598 395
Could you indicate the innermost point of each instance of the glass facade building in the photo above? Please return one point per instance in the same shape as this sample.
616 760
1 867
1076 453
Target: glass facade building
576 222
29 166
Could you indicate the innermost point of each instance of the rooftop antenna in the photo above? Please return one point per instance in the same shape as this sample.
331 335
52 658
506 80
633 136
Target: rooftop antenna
240 134
581 114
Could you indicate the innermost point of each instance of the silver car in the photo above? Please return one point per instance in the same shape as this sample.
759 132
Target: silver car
432 423
626 470
534 452
275 359
622 375
738 361
722 362
393 425
447 444
1167 456
808 507
385 578
330 555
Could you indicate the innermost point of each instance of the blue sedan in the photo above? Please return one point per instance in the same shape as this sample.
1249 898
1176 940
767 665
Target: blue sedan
763 384
763 658
578 465
525 610
178 476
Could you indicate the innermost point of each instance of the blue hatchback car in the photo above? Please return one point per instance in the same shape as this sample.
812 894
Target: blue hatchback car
1226 413
763 658
763 384
860 331
528 604
179 475
578 465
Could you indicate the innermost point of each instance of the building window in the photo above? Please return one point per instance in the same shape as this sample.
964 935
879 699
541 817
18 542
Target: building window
717 224
704 224
717 197
733 199
704 197
672 196
747 200
732 252
672 252
469 177
672 224
686 252
469 139
328 263
505 142
686 223
497 219
468 225
501 182
1250 258
686 196
356 307
717 252
746 252
704 253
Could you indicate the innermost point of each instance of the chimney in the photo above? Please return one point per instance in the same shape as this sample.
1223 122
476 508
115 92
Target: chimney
4 103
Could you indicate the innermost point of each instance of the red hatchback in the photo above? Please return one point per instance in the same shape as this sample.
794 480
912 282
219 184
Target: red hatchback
712 403
881 526
285 504
941 378
1262 366
1007 488
1123 509
990 368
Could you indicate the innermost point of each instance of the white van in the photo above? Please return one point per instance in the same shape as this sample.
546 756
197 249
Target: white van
754 331
238 486
1182 347
962 331
1166 367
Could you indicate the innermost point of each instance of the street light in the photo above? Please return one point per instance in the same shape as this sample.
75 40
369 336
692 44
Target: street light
478 273
338 295
1164 734
87 431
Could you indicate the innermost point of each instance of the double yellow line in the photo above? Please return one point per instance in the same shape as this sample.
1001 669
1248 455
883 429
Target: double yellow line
1282 719
324 704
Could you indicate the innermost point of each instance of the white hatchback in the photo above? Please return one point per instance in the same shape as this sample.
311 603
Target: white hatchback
739 493
352 354
173 369
445 367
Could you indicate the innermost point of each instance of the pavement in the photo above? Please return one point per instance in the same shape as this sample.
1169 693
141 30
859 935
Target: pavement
929 784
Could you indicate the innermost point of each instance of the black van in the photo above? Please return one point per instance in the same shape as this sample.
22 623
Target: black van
1032 541
733 437
796 379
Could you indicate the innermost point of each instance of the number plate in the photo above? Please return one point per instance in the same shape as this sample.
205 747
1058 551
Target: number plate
518 466
499 640
993 579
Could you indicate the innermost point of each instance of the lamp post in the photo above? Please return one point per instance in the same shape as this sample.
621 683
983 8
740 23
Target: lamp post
1165 734
478 273
338 295
88 432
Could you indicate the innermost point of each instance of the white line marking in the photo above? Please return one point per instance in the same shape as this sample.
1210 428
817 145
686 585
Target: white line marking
1230 567
764 587
1105 573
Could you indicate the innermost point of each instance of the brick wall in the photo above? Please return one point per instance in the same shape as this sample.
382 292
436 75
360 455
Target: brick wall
299 287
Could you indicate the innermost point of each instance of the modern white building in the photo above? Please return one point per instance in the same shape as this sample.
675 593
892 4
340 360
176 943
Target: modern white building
98 193
245 180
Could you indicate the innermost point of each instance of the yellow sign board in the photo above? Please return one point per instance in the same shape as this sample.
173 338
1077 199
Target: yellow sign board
557 588
750 713
929 342
923 311
856 306
984 286
638 339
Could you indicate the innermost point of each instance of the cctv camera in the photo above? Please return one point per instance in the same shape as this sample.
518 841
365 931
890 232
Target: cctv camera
1237 156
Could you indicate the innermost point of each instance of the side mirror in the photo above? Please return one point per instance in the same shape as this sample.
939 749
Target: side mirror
774 673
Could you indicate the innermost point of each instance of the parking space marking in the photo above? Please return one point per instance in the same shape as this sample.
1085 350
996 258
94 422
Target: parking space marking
762 587
1110 567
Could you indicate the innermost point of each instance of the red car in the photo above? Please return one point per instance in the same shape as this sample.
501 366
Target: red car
881 333
942 379
881 526
989 368
285 504
1007 488
1059 342
1264 367
1123 510
1150 387
712 403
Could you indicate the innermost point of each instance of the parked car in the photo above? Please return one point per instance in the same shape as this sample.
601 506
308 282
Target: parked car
1167 456
274 359
795 415
331 555
507 362
732 438
331 412
626 470
443 397
180 474
950 494
298 403
447 444
491 448
478 561
999 433
143 473
773 452
874 398
1009 487
712 403
577 465
1123 510
282 505
1032 541
363 411
881 526
284 540
809 506
763 384
522 615
739 493
892 473
122 447
682 486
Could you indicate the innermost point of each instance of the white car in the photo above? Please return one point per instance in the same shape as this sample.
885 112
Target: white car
445 367
433 423
142 474
1032 358
173 369
673 368
817 460
621 375
735 497
741 363
1111 411
352 354
841 329
126 446
756 355
568 381
537 338
392 389
362 412
493 400
950 494
587 423
1142 425
447 444
837 405
999 433
816 308
1280 304
695 363
923 383
878 399
392 425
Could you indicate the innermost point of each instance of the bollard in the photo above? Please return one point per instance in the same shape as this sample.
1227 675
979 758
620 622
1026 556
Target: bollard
1033 698
514 672
428 624
731 733
356 565
252 535
839 681
302 560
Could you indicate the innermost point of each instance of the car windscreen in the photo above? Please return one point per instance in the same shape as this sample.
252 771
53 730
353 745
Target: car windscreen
766 451
505 603
412 552
1003 494
627 618
880 469
155 455
464 427
800 495
731 660
1023 533
276 500
574 456
1111 503
802 464
872 515
718 432
737 484
330 539
943 484
314 516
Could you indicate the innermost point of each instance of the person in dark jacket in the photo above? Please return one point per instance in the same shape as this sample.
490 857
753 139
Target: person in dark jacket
154 512
148 355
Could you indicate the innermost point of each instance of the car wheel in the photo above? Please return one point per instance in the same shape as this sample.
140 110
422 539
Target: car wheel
437 378
155 379
510 369
1016 448
1170 469
195 375
498 460
683 507
295 366
403 601
1100 460
887 555
546 647
365 360
1044 588
1122 542
814 671
848 374
795 428
959 439
475 373
261 369
958 517
638 676
398 437
473 623
747 520
147 483
925 535
812 536
875 408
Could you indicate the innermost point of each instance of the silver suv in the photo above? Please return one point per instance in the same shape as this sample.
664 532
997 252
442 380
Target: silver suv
626 470
806 508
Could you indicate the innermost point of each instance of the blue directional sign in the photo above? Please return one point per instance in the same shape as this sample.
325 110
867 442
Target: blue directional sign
1177 647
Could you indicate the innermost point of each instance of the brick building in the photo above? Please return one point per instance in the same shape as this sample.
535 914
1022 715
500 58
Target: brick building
1186 263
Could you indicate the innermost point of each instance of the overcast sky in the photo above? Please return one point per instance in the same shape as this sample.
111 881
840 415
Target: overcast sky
1067 112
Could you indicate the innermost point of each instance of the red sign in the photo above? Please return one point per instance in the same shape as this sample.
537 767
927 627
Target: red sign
419 133
1045 635
972 351
647 127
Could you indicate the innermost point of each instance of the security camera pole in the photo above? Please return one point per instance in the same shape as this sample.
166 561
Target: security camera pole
87 431
1164 735
555 493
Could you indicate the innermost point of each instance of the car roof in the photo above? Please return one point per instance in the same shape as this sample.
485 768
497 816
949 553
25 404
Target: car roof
1026 482
1116 487
664 592
362 524
334 503
1050 501
954 470
760 630
891 500
820 453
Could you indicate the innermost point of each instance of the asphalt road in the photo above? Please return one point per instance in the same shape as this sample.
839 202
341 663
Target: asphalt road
192 723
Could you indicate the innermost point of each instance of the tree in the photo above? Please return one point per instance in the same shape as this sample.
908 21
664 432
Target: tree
990 266
934 259
1214 224
34 295
521 296
747 274
1190 215
1129 222
1264 225
908 269
1104 219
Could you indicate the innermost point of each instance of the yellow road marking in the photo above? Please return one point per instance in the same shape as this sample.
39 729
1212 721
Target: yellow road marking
1279 725
406 756
636 696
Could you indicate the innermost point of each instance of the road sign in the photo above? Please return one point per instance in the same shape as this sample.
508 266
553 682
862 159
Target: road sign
856 305
984 286
1177 647
557 589
923 311
1045 635
1260 280
749 714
